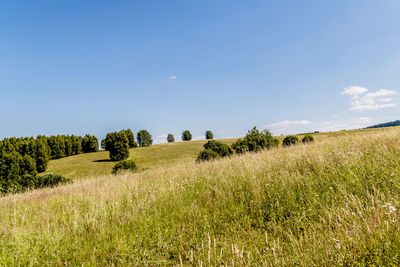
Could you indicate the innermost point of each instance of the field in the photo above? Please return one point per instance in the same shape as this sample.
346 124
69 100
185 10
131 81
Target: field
334 202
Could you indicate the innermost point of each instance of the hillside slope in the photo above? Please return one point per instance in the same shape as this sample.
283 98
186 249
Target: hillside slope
329 203
98 163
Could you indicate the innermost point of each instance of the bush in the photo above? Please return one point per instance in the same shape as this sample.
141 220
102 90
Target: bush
144 138
90 144
124 165
207 154
209 135
255 141
290 140
221 149
307 139
186 135
118 145
170 138
214 149
50 180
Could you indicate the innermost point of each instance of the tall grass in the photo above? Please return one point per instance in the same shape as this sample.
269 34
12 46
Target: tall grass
332 202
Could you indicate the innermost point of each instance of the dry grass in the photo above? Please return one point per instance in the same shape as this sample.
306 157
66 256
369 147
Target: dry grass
329 203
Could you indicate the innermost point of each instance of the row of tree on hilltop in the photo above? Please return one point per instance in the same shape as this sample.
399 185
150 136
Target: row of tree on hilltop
119 143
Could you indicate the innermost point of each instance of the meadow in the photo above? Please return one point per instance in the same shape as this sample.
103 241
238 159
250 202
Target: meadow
332 202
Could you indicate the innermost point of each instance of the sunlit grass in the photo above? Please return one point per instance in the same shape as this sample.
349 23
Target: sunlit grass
328 203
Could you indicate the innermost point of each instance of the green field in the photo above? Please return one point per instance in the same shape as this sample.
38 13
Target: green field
98 163
333 202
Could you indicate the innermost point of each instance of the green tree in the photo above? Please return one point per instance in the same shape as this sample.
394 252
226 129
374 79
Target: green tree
118 145
144 138
41 155
90 143
209 135
186 135
131 138
170 138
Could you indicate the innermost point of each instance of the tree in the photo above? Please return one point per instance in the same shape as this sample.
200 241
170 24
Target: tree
41 155
131 138
90 144
186 135
118 145
170 138
209 135
290 140
307 139
255 141
144 138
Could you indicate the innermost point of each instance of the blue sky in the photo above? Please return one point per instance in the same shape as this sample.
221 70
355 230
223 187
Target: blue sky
166 66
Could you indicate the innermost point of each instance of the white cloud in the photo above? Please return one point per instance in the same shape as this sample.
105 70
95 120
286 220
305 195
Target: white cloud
354 91
200 137
347 124
288 123
172 77
361 100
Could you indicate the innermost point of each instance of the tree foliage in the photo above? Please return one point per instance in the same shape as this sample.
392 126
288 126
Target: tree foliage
90 144
170 138
290 140
128 165
307 139
255 140
209 135
144 138
186 135
117 144
214 149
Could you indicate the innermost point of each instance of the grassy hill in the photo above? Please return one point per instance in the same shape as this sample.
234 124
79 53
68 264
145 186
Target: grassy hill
328 203
98 163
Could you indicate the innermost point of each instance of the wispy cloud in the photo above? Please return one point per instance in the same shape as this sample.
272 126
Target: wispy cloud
361 100
172 77
288 123
347 124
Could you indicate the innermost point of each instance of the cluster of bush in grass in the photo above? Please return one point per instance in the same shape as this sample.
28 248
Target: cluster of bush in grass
254 140
21 159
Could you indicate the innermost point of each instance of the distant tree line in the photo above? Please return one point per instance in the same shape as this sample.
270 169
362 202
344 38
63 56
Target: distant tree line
21 159
386 124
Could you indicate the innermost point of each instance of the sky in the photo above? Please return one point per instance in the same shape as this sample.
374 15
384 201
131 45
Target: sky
77 67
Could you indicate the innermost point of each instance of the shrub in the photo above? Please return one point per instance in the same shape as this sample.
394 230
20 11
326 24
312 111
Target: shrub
290 140
186 135
170 138
207 154
255 141
118 145
214 149
221 149
50 180
144 138
307 139
90 144
124 165
209 135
